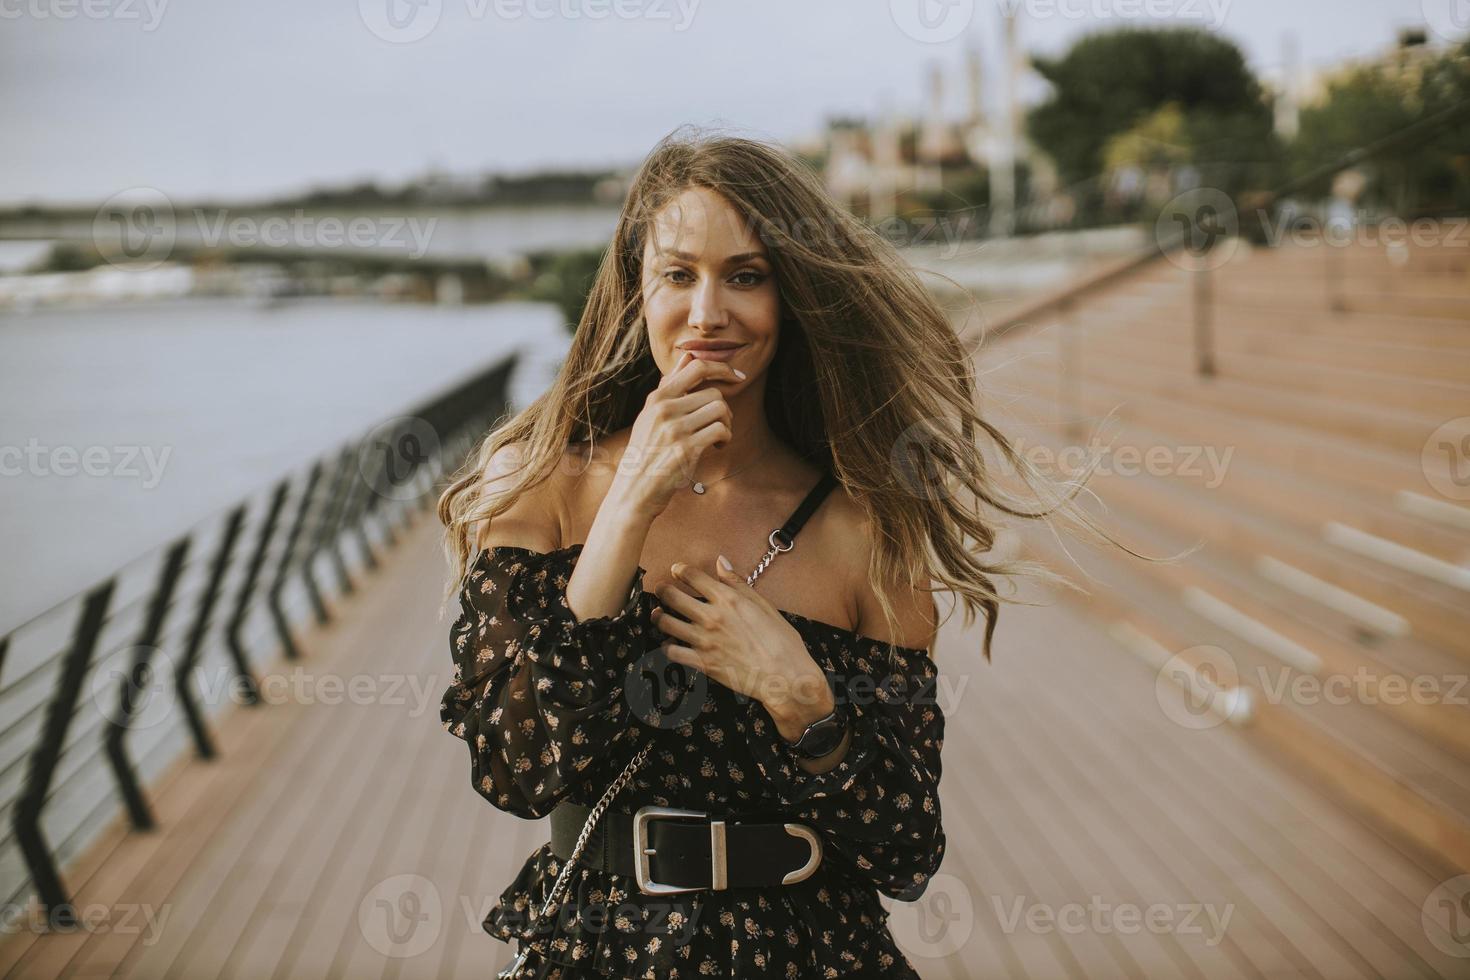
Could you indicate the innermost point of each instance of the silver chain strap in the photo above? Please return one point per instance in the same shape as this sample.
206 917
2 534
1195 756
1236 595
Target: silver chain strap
615 786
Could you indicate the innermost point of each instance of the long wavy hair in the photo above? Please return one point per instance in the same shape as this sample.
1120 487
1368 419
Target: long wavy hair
869 382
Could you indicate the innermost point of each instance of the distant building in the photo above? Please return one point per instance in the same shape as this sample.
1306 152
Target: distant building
872 164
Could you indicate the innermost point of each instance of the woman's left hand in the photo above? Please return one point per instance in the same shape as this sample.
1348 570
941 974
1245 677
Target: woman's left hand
739 638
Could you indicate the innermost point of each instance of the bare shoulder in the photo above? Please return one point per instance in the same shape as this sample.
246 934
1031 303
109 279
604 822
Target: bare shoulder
534 519
913 605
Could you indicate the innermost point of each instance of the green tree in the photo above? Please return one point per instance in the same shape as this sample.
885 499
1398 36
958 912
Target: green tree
1109 83
1368 104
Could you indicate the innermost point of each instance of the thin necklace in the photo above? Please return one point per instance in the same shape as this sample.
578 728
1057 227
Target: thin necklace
700 486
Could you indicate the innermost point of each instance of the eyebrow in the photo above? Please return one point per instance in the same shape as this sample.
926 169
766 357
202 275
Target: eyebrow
742 257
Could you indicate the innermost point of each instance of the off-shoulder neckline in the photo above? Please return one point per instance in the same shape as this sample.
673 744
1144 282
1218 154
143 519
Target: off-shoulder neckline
798 617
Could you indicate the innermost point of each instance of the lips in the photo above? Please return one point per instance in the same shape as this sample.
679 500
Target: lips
711 353
724 354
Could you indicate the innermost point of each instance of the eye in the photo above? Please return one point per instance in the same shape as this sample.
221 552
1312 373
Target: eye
672 273
750 277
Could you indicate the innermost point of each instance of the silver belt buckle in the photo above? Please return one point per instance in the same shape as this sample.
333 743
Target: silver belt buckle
719 876
642 852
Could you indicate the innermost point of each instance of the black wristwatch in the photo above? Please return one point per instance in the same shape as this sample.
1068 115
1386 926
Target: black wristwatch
821 736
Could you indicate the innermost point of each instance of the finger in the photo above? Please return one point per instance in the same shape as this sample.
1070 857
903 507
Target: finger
678 601
671 625
729 575
713 411
681 654
679 362
699 580
682 379
714 434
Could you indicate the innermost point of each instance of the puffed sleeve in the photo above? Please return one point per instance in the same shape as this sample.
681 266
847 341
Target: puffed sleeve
878 809
535 692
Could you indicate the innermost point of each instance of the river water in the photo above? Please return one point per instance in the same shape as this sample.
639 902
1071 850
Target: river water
123 426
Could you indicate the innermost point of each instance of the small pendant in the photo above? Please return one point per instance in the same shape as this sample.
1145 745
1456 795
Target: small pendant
699 488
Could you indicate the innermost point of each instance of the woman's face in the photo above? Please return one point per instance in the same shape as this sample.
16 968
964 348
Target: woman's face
707 277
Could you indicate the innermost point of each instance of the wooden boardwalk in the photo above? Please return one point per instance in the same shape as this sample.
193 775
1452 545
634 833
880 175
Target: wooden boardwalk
1090 837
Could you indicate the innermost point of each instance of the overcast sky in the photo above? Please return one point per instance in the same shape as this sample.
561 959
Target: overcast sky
239 100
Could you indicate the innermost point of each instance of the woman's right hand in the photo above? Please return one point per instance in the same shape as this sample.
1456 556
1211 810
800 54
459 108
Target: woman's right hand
675 427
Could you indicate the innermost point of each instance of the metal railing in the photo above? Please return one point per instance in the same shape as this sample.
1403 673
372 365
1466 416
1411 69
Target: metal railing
83 728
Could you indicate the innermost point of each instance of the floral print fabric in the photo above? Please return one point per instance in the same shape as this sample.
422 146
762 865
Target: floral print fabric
547 707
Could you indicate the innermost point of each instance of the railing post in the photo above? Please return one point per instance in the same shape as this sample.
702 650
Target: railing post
218 566
1069 371
325 531
370 498
59 713
283 567
1332 268
1203 307
346 516
139 674
251 690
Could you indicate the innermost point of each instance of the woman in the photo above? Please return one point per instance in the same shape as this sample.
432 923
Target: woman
746 348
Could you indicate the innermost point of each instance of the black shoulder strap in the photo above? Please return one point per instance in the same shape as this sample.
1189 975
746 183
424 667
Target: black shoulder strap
807 507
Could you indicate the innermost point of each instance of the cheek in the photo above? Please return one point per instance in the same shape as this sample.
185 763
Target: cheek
761 312
663 310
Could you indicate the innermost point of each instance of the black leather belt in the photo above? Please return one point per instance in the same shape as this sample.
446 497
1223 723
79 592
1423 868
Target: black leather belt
669 850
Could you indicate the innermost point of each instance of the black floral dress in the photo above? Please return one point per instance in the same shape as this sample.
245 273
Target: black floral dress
540 698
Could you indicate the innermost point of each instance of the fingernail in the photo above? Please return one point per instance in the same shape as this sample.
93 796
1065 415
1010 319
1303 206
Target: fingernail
740 374
725 564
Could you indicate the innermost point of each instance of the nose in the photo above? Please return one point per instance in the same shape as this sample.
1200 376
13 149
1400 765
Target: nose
706 306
